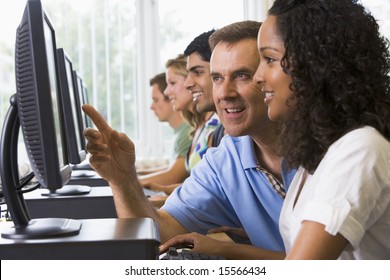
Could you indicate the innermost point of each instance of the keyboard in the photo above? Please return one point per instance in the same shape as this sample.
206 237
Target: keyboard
185 254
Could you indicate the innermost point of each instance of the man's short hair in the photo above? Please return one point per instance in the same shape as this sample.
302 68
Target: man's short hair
235 32
200 45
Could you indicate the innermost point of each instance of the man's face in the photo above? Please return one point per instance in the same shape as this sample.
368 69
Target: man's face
238 99
161 107
198 82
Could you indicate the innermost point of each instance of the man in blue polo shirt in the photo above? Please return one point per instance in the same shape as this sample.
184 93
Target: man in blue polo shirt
239 184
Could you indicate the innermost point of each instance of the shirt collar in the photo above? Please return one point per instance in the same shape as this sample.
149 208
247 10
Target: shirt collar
247 152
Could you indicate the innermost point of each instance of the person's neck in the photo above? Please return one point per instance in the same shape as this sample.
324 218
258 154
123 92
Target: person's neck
176 120
267 149
208 115
203 122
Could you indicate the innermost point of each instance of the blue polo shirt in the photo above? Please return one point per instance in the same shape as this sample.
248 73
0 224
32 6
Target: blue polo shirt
226 189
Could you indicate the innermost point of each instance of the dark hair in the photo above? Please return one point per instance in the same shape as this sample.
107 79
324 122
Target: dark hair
235 32
339 64
161 82
200 45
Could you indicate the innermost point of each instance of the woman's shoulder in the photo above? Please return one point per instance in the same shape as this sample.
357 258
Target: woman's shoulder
362 140
364 135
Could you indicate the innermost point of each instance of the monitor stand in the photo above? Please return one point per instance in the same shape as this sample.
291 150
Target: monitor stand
83 173
69 190
43 228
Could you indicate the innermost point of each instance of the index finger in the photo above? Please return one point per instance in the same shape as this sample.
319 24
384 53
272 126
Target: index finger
97 119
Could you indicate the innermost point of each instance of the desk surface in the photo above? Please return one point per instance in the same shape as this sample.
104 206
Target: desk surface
98 239
99 203
91 178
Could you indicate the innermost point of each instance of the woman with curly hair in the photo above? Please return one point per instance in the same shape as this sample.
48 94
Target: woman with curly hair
325 74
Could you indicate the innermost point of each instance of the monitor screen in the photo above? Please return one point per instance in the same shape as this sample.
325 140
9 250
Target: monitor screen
71 109
38 112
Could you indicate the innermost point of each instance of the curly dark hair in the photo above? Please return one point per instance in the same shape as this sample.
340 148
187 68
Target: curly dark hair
200 45
339 64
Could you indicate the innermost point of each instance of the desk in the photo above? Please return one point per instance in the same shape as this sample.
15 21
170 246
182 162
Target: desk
92 179
99 239
99 203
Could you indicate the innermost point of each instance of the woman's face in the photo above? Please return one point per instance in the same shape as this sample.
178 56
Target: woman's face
179 96
274 81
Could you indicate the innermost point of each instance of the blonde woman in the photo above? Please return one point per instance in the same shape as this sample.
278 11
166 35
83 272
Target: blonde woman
181 100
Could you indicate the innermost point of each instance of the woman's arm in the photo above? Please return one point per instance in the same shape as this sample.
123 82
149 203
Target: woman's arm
167 189
314 243
175 173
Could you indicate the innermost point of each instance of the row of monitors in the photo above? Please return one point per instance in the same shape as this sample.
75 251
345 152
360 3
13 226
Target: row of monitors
73 95
47 107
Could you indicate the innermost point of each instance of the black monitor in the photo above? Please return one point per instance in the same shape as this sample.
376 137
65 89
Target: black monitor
36 108
71 108
84 169
73 124
83 98
87 120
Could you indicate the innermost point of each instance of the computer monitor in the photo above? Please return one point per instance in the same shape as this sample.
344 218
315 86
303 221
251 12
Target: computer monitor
87 120
36 108
74 123
83 98
84 169
71 109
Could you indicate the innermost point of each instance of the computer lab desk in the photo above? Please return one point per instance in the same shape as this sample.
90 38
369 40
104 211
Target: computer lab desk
99 203
87 177
91 178
99 239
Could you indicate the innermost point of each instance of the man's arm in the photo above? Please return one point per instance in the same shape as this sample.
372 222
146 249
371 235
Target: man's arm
113 156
